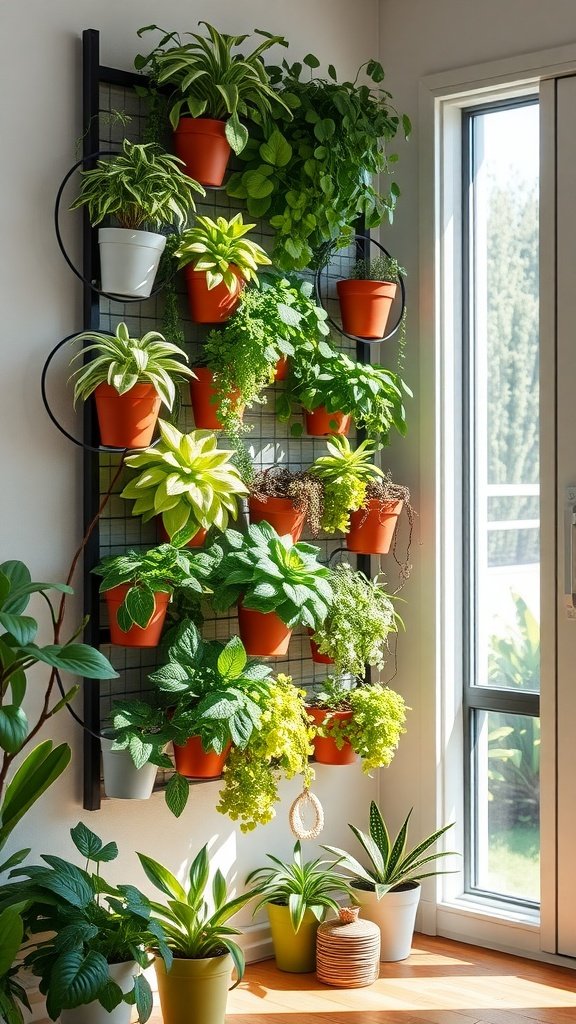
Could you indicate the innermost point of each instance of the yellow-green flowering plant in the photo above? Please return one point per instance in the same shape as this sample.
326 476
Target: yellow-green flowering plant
377 722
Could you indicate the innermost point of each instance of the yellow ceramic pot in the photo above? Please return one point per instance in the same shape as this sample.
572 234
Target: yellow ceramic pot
293 951
194 991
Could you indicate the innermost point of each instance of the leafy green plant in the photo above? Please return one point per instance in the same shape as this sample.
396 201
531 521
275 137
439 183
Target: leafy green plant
345 473
187 480
392 866
309 174
214 247
92 924
359 621
194 931
12 994
383 268
209 80
122 362
300 885
371 393
271 574
377 722
142 185
142 730
278 750
159 570
303 489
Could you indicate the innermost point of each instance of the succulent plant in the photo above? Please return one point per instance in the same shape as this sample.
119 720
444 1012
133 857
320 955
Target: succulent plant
214 246
345 473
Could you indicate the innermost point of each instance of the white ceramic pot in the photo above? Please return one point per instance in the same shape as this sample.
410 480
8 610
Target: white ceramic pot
129 261
93 1013
122 779
395 915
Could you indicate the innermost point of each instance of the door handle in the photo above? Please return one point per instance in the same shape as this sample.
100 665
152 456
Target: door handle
569 527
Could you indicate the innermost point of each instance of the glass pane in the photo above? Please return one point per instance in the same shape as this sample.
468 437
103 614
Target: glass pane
504 366
507 804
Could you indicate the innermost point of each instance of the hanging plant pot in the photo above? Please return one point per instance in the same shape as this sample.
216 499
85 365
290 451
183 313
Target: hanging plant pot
195 542
395 915
372 527
282 367
211 305
122 779
128 420
93 1013
136 636
129 261
281 513
194 762
202 394
202 144
320 422
263 633
317 657
202 984
293 951
325 749
365 306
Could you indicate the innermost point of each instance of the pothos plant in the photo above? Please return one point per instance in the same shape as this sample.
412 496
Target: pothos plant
310 174
376 725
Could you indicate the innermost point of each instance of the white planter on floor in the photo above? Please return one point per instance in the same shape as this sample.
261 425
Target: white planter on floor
93 1013
395 915
122 779
129 261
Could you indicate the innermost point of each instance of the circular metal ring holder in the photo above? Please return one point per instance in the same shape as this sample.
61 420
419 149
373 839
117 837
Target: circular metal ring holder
62 247
338 327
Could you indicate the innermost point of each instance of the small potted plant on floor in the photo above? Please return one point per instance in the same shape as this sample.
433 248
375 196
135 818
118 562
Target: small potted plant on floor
388 891
130 378
287 501
133 749
211 89
297 897
277 585
188 481
367 295
344 474
362 721
373 523
138 585
142 186
218 260
200 941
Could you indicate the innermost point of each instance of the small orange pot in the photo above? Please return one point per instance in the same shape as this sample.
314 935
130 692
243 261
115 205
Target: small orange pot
372 528
263 633
195 542
320 659
325 749
136 636
320 422
202 144
194 762
201 394
211 305
281 513
128 420
365 306
282 367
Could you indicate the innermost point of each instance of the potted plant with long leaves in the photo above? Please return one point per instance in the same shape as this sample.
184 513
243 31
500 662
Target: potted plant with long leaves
204 952
363 722
218 261
213 92
287 500
138 586
130 379
143 189
276 584
388 891
366 296
297 896
133 748
187 481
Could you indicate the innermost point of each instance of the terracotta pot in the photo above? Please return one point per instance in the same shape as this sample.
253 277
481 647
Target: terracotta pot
194 762
128 420
320 659
195 542
201 394
365 306
325 749
202 144
372 528
320 422
281 513
211 305
136 636
282 367
263 633
194 990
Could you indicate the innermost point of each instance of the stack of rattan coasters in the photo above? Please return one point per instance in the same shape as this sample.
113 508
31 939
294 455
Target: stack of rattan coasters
348 951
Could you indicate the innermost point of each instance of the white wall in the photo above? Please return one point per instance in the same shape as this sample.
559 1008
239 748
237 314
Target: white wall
40 488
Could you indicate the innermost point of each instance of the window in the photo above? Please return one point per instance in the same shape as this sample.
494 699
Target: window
501 670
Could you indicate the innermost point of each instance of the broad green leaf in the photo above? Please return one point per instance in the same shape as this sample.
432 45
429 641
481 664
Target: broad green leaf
233 659
66 881
11 934
110 996
41 767
22 627
13 728
160 876
143 998
276 151
176 794
79 659
76 980
140 605
90 845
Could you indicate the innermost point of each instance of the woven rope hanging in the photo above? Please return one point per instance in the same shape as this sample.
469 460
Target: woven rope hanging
304 802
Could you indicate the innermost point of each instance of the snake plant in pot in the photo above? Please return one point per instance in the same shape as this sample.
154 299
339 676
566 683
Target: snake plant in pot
140 187
130 379
363 722
211 90
277 585
366 296
187 481
133 749
388 891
